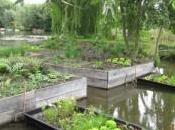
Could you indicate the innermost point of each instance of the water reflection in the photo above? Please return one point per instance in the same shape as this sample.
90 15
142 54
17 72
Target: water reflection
150 108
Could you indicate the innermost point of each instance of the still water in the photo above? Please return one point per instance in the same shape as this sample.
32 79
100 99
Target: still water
152 109
17 126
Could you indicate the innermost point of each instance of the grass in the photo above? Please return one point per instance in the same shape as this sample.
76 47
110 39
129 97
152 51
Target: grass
19 50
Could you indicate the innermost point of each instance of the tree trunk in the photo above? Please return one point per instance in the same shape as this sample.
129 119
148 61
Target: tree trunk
124 26
156 54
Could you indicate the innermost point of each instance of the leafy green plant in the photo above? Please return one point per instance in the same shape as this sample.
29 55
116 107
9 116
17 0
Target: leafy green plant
165 79
98 65
20 73
19 50
64 115
120 61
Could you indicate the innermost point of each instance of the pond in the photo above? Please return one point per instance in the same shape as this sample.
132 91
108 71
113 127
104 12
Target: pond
151 109
13 40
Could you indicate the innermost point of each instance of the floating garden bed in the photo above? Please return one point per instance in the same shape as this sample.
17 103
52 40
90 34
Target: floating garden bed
26 84
104 74
158 81
65 115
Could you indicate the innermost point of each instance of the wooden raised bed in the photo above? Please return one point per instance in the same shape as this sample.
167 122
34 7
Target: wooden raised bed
12 107
32 118
107 79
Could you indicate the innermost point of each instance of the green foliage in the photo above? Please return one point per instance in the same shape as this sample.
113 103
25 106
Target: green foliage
120 61
30 17
64 115
98 65
173 4
20 73
165 79
20 50
157 60
6 13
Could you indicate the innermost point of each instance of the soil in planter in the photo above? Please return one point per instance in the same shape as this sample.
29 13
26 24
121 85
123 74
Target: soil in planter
105 64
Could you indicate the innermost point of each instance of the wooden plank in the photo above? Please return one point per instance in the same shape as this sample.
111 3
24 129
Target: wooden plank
55 92
97 83
6 117
89 73
12 106
124 75
139 69
60 89
17 102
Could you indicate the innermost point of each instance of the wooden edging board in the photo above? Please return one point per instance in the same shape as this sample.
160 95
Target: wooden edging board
11 107
107 79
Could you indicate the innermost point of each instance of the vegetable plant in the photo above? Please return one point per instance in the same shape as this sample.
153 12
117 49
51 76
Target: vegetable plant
24 73
63 114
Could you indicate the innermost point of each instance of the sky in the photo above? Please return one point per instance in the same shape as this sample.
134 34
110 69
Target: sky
32 1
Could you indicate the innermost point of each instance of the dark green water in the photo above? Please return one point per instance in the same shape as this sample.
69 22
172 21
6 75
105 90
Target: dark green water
17 126
152 109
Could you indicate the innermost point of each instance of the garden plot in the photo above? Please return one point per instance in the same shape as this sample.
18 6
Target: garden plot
65 115
25 85
105 74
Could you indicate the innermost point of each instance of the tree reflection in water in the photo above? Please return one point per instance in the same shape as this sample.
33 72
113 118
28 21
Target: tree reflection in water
154 110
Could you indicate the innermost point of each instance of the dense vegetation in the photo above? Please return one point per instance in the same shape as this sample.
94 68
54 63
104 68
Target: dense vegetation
164 79
109 18
25 17
64 115
21 74
122 22
96 33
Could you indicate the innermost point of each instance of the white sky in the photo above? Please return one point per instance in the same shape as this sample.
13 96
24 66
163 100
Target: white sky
32 1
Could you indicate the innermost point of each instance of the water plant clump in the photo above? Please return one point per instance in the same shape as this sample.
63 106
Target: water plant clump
19 74
165 79
65 115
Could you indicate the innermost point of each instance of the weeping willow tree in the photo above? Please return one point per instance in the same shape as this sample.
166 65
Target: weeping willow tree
84 17
107 19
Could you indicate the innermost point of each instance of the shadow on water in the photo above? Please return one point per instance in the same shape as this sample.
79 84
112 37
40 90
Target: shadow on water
17 126
152 109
